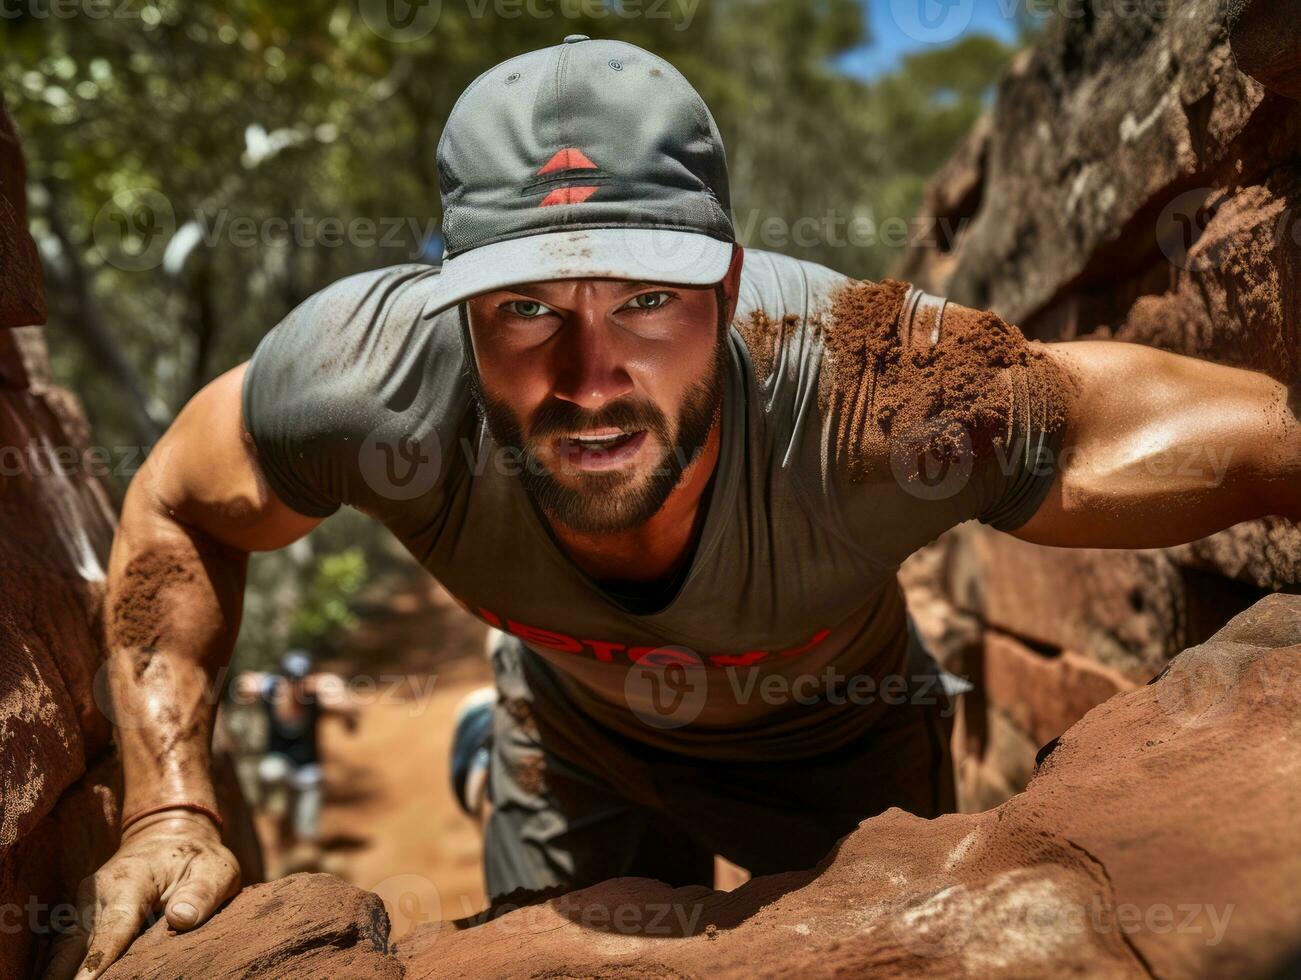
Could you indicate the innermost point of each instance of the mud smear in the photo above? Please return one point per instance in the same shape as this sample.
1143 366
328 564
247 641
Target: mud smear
763 337
965 394
146 595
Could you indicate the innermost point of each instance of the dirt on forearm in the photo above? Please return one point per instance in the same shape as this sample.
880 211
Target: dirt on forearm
168 614
150 583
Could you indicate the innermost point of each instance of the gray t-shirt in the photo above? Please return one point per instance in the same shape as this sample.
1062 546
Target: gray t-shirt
360 398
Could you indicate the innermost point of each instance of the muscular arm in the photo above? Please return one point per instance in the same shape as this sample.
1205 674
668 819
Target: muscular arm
1161 449
175 589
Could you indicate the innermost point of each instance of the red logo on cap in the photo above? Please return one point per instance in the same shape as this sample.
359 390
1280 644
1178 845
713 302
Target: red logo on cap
567 159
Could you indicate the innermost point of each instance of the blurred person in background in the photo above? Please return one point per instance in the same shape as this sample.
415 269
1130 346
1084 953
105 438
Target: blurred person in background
289 773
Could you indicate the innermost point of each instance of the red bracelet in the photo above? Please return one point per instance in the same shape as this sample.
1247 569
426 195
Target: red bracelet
207 811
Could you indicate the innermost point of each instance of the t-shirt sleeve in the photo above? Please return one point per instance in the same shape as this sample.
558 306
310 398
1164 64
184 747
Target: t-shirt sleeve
935 414
352 397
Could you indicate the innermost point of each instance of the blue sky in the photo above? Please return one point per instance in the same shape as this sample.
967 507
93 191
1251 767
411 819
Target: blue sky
899 27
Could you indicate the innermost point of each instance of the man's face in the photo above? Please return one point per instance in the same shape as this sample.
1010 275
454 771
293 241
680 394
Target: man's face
607 388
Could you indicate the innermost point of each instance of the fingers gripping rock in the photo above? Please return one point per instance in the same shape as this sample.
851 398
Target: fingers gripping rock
303 925
210 879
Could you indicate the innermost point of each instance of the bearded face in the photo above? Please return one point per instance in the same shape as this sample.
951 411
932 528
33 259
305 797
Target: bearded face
606 390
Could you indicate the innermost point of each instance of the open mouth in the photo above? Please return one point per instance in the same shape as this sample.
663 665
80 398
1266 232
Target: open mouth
600 449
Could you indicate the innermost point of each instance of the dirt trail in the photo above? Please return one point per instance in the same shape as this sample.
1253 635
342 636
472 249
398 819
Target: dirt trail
390 823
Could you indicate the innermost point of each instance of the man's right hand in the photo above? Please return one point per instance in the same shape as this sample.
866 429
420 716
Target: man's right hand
173 860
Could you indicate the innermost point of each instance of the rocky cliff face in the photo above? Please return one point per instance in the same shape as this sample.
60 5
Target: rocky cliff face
1158 838
56 527
1138 178
60 781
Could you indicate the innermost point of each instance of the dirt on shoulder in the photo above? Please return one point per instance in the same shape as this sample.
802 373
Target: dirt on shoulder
966 393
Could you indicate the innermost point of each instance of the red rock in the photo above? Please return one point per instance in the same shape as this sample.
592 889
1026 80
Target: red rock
1133 182
1044 696
58 821
1009 751
1267 44
306 925
23 358
1265 553
1122 609
22 295
56 526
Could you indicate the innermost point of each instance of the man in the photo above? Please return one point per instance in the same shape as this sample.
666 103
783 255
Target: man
677 476
289 772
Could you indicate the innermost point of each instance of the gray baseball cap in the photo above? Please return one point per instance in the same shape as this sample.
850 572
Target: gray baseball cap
590 159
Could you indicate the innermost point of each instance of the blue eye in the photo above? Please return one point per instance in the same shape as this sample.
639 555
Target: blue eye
528 308
648 301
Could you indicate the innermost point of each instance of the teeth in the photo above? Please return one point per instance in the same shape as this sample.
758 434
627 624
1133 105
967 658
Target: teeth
599 440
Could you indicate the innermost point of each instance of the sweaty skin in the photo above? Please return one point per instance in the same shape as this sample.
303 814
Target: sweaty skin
1159 449
1163 449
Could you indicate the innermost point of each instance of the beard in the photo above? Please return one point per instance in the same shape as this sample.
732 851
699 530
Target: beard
607 502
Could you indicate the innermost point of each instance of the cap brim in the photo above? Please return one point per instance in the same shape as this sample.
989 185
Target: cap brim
680 258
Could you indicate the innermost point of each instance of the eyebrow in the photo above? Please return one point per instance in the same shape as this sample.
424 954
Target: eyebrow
532 289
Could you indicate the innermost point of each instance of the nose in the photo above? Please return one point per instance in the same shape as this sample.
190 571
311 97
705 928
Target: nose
589 371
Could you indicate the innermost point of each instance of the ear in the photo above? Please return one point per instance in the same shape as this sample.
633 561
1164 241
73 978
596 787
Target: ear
731 284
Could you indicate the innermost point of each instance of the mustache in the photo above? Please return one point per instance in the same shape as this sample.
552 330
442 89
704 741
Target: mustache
558 418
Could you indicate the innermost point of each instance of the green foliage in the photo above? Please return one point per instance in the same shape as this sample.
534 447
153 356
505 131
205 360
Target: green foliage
306 595
325 605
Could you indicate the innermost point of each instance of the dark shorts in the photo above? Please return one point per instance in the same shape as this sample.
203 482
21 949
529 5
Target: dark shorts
574 803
